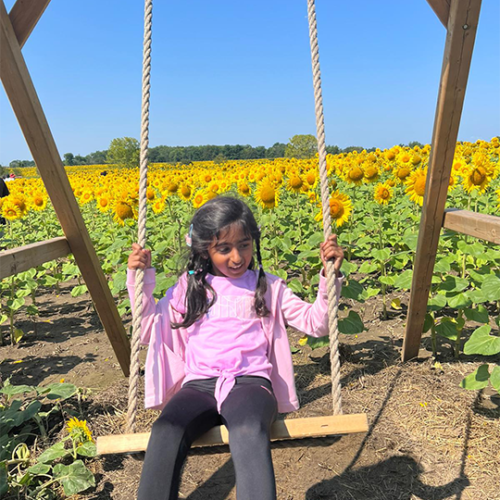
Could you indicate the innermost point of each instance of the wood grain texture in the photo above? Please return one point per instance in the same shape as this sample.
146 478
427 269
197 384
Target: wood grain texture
18 260
295 428
24 16
28 110
462 27
483 226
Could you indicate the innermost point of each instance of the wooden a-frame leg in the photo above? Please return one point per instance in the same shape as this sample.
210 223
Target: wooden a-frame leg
28 110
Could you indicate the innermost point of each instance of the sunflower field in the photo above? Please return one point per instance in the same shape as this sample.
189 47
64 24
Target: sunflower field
375 205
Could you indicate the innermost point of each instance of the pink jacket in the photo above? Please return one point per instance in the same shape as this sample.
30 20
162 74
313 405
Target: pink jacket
164 371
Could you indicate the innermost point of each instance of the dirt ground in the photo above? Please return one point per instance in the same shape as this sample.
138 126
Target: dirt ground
428 438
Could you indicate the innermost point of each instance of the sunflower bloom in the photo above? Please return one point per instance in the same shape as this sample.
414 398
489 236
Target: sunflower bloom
123 211
340 208
38 201
185 192
383 193
103 203
371 173
158 206
416 186
402 173
266 194
476 178
244 188
79 431
199 199
11 211
355 175
86 196
295 183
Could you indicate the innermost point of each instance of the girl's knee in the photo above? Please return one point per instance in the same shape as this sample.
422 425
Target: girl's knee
167 426
250 431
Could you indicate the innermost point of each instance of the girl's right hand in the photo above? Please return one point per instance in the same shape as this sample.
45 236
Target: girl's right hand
139 258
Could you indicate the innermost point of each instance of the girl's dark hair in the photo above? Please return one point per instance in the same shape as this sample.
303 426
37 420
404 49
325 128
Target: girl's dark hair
213 217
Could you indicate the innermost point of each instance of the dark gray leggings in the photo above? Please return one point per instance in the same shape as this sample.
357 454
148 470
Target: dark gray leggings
248 412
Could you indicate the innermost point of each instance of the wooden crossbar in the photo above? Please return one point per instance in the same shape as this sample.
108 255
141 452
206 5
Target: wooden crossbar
296 428
483 226
441 9
18 260
24 16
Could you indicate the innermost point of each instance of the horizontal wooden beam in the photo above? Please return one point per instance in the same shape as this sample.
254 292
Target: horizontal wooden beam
24 16
483 226
442 9
18 260
295 428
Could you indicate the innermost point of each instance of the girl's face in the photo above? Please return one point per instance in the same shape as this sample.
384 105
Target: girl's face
232 253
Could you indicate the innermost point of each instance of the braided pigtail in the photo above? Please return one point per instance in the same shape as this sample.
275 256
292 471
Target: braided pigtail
196 301
261 288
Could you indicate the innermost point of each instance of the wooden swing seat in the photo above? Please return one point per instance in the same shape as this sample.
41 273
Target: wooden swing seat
296 428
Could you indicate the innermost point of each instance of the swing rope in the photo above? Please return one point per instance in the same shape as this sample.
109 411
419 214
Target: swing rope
325 202
143 186
139 280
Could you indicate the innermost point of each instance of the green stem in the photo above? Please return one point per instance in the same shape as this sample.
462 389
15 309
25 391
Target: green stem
433 337
299 219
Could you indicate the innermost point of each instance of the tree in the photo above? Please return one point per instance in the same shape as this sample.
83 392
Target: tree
96 158
124 152
333 150
301 146
69 159
21 163
277 150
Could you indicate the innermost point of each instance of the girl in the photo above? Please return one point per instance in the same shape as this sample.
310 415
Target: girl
218 349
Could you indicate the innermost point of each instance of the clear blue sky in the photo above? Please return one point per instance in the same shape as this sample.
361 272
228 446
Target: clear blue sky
239 72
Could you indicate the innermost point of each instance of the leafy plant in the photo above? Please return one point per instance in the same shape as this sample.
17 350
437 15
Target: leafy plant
24 415
483 343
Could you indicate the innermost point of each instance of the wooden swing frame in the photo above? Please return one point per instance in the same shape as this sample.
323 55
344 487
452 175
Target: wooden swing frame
460 18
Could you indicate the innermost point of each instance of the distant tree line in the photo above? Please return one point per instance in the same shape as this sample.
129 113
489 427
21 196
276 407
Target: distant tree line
125 151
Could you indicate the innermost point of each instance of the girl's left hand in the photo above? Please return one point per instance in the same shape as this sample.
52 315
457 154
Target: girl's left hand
330 250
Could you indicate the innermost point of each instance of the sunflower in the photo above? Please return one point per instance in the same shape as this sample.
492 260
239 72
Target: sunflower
206 178
354 175
172 188
150 194
266 194
38 201
79 431
295 183
311 178
214 186
371 172
244 188
340 208
476 178
103 202
199 198
20 200
389 154
402 173
86 196
185 191
123 210
11 211
159 205
416 186
383 193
